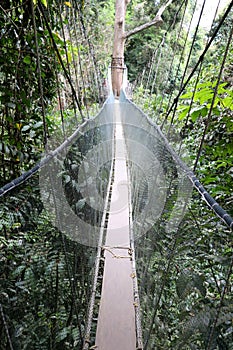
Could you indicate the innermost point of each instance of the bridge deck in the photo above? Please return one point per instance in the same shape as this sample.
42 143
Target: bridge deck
116 321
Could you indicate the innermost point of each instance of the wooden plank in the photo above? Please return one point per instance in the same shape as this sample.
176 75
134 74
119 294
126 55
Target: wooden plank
116 321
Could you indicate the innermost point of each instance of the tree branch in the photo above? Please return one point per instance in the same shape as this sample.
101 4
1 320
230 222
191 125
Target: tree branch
156 21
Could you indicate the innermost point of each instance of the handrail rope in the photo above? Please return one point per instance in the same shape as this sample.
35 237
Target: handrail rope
60 58
49 156
200 58
210 201
213 99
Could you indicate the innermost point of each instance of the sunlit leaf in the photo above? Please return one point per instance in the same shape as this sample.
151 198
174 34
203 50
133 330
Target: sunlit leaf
67 3
44 2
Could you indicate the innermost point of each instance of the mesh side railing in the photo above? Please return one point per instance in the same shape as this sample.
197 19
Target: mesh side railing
183 251
50 237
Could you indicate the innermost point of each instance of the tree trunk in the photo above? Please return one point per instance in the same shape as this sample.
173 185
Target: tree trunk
117 65
118 46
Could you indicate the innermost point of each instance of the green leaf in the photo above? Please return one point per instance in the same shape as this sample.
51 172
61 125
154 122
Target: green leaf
227 102
187 95
184 112
44 2
197 111
27 60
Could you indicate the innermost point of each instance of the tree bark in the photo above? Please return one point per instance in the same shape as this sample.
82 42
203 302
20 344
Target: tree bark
118 46
117 65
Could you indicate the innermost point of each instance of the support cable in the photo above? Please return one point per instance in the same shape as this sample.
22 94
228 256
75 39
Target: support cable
176 45
79 59
187 62
213 99
210 201
60 59
49 156
181 57
67 56
200 59
172 26
40 77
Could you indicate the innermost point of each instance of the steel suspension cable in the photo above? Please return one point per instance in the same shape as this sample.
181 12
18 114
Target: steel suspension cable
196 82
176 45
213 99
45 129
74 23
60 59
187 62
181 58
64 36
175 101
91 52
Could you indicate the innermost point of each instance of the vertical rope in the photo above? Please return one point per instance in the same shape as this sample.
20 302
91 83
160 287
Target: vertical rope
40 76
201 58
60 60
213 100
6 328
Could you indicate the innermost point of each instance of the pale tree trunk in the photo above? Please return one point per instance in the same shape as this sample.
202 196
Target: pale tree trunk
118 46
120 37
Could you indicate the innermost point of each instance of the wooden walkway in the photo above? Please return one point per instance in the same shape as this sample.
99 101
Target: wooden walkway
116 321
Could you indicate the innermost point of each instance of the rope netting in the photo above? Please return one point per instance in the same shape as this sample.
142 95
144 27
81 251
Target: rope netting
181 257
56 83
54 216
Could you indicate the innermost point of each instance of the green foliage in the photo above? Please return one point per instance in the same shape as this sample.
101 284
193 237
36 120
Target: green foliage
21 123
185 279
217 156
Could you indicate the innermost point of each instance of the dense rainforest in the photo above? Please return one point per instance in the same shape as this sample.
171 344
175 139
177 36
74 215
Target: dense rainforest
54 61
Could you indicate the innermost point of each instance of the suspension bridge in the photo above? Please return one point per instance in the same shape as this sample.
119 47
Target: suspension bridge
120 186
